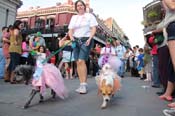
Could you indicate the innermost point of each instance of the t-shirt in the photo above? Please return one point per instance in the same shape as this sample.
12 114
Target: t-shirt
169 16
41 56
98 50
0 42
25 47
140 59
120 50
41 41
107 50
81 24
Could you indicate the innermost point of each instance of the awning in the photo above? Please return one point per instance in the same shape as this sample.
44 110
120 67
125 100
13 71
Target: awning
99 40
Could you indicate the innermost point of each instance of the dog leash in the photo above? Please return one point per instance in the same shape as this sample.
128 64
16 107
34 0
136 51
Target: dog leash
74 44
59 50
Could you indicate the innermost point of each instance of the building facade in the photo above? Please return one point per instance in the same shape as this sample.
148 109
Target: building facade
117 31
153 14
8 11
44 19
51 21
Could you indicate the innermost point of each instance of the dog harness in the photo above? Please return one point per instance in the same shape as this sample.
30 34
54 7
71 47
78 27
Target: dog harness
109 79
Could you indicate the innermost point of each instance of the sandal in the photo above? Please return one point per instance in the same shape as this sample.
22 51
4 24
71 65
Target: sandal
171 105
67 77
168 98
13 82
71 77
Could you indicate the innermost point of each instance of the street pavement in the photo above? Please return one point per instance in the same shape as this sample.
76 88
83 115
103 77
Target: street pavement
136 98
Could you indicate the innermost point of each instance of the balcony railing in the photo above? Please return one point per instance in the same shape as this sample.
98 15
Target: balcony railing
153 13
60 29
48 30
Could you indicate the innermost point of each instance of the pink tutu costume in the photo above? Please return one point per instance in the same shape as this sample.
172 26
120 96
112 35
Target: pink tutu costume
51 77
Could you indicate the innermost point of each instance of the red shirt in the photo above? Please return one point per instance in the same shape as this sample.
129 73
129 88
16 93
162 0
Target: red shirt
98 50
154 46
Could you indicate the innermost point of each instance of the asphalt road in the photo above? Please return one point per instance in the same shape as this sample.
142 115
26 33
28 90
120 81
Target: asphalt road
136 98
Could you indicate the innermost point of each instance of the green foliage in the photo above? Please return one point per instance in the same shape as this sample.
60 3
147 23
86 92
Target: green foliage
144 23
152 13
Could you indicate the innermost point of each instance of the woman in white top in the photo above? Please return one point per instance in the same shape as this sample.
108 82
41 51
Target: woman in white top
82 28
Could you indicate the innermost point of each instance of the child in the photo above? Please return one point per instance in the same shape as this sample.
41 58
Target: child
35 43
25 51
140 63
108 55
40 57
68 56
147 63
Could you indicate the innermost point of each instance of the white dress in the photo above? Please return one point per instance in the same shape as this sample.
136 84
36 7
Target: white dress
109 57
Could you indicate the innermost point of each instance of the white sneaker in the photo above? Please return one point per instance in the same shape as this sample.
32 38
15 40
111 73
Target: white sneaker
82 89
78 89
146 80
170 112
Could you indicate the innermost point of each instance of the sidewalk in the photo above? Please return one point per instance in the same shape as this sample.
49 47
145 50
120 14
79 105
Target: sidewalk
132 100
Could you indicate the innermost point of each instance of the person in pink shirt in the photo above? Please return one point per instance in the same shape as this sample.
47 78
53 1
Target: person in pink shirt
25 50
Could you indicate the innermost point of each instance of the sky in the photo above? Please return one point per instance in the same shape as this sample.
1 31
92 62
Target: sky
127 13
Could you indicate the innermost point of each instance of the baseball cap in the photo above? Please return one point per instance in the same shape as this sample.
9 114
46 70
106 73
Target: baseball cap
110 40
38 34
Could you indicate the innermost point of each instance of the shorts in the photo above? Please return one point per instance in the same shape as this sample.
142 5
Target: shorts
171 72
68 56
171 31
81 51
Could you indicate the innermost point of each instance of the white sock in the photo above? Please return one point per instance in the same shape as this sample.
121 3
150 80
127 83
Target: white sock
83 84
149 76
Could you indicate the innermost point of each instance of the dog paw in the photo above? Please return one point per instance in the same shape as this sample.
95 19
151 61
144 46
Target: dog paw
54 97
25 107
41 101
103 107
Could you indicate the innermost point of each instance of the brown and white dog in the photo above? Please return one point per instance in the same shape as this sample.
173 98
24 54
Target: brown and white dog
108 84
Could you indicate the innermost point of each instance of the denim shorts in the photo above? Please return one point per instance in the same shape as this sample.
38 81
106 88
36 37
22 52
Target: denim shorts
171 72
171 31
81 51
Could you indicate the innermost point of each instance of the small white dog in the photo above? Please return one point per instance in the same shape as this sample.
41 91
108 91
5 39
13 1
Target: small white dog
108 83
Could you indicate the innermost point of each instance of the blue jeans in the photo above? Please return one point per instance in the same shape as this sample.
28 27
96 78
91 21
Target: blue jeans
14 61
155 78
2 63
81 51
122 68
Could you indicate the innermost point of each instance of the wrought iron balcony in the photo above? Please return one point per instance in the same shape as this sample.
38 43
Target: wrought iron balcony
153 14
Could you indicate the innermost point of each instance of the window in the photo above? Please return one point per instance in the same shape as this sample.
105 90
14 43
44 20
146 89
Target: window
6 16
